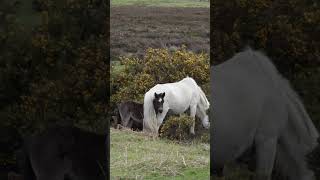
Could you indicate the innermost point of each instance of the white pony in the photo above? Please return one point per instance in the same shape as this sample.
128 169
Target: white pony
176 97
254 106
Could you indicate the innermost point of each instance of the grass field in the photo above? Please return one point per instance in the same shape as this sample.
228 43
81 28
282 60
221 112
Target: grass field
163 3
135 155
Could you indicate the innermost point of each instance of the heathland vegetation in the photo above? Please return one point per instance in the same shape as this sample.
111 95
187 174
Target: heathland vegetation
162 44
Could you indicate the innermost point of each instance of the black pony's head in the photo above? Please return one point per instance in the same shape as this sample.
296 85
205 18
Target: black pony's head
158 102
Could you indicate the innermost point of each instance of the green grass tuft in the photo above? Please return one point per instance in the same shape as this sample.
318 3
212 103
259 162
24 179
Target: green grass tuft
136 155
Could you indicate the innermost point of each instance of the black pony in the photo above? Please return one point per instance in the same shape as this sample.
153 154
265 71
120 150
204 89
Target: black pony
129 114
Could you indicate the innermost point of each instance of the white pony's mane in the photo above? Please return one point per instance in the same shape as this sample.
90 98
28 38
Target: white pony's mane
148 111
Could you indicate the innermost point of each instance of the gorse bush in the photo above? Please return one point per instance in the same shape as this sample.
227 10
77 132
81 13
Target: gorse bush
54 69
58 72
157 66
80 97
176 128
286 29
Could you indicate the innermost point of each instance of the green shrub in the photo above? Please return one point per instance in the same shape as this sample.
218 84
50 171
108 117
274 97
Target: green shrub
157 66
176 128
55 70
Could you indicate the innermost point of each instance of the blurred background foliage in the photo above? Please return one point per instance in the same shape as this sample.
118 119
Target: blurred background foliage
54 67
288 31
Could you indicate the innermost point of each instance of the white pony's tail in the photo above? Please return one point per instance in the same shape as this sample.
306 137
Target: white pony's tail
299 139
203 99
300 136
291 159
150 123
307 133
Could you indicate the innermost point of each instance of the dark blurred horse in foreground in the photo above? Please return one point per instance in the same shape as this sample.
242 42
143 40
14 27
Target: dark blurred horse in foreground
254 107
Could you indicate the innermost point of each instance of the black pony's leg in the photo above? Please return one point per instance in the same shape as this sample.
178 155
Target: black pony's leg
114 121
137 123
130 123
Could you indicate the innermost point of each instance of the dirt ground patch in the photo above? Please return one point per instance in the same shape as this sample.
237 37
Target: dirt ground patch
135 28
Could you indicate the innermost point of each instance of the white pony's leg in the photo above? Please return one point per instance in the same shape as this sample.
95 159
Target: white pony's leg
193 110
161 117
266 153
